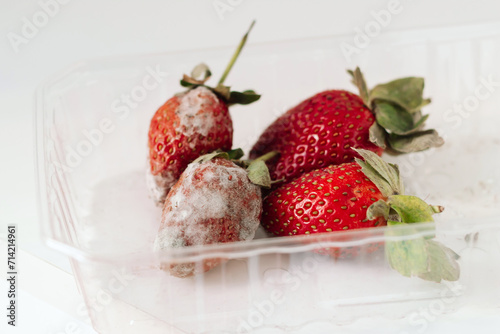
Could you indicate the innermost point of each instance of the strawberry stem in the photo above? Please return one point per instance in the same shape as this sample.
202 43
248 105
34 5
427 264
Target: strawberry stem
235 55
267 156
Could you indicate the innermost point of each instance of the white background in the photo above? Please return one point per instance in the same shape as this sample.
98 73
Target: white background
83 29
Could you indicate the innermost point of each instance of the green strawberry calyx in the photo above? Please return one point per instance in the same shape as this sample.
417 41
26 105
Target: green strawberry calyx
257 170
201 73
397 105
421 256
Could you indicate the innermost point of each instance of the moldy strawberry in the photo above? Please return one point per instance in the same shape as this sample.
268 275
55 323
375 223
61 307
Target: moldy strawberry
190 124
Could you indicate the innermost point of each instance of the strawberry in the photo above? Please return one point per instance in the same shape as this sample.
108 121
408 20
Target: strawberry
333 198
186 126
322 129
191 124
214 201
359 194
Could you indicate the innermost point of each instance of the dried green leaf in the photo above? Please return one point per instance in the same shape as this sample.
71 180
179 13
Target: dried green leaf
407 256
212 155
415 142
427 259
377 135
442 263
393 118
185 83
411 209
423 104
359 81
258 173
384 175
405 92
245 97
381 183
199 75
223 91
419 122
378 209
235 154
201 72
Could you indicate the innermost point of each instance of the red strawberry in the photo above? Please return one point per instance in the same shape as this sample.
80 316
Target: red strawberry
321 130
356 195
334 198
214 201
191 124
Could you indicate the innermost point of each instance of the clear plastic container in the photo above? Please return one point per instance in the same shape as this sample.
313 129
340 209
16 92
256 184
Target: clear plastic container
92 155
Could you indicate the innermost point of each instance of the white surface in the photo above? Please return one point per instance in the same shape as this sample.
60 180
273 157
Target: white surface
87 29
